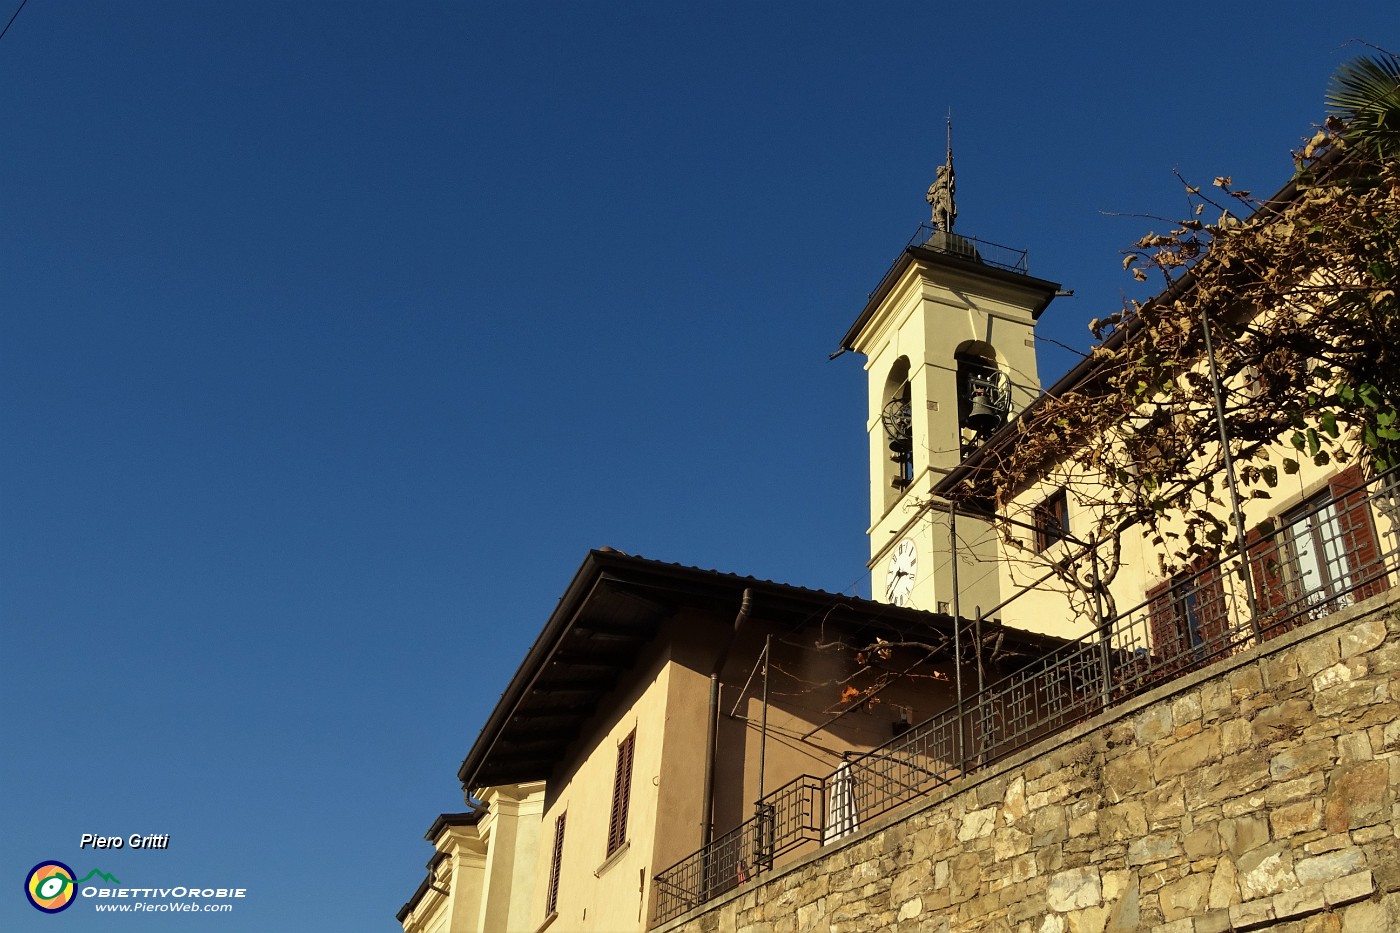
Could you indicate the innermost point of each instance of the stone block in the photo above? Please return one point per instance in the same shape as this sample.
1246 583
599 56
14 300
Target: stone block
1074 888
1265 872
1215 698
1279 670
1244 834
1246 682
1252 914
977 824
1320 869
1317 755
1327 844
1348 889
1125 912
1296 818
1153 848
1347 697
1308 787
1188 754
1242 806
1317 654
1049 826
1186 709
1224 886
1165 805
1299 902
1283 720
1128 775
1008 842
1185 925
1153 724
1358 795
1123 822
1236 735
1088 920
1213 921
911 908
1203 842
1184 898
1340 673
1013 804
1361 637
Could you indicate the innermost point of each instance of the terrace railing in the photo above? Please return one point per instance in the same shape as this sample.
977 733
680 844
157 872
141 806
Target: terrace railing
1318 559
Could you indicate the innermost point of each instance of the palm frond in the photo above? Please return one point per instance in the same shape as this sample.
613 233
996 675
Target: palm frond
1365 95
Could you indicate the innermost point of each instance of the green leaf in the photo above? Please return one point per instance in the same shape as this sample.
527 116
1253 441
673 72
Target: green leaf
1290 466
1328 420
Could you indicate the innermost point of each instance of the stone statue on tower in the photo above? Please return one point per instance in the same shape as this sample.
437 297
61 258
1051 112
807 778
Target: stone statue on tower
940 193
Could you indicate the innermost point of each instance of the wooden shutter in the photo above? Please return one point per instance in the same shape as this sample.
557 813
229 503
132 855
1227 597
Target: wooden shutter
1359 540
556 861
1211 608
622 793
1266 568
1168 641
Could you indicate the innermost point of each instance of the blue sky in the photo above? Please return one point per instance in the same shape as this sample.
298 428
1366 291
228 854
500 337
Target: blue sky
333 335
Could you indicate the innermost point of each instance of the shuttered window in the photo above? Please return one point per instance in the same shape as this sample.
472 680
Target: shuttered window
622 793
551 904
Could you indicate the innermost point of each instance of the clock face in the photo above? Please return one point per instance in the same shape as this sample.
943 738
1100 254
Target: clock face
899 581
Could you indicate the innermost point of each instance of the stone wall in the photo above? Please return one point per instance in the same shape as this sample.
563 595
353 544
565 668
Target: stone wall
1258 793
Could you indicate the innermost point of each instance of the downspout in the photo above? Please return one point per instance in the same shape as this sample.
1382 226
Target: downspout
712 722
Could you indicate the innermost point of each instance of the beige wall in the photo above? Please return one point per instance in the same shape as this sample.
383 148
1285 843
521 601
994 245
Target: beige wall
598 892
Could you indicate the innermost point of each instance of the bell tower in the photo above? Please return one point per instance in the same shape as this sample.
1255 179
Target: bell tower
949 341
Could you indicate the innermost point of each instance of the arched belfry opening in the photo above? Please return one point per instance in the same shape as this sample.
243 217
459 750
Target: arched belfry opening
984 394
897 421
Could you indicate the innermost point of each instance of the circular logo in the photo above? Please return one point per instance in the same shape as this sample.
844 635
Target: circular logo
49 887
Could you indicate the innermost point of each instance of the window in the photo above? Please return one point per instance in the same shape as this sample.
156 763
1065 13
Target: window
551 904
1051 521
1316 568
1324 556
622 792
1188 618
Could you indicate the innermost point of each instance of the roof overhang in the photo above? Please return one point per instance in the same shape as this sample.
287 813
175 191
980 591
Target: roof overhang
612 611
1040 290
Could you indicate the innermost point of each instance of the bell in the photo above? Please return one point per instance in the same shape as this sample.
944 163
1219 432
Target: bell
984 417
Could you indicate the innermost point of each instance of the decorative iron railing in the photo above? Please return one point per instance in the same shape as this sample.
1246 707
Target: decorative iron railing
1322 557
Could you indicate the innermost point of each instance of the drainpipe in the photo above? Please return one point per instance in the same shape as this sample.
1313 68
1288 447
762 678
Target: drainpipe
712 722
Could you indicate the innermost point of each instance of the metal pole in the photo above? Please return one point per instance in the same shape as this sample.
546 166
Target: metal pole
1230 477
982 717
1104 657
957 629
764 810
763 740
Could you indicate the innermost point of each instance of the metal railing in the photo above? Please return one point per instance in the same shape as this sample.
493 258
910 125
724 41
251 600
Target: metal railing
1322 557
964 247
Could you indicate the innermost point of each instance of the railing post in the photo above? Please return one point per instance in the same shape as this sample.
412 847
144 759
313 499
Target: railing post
957 630
763 857
1099 627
